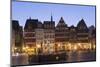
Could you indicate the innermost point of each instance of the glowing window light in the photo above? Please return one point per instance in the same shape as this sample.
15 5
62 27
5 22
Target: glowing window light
85 47
30 51
69 46
75 47
38 46
90 46
15 48
79 44
24 48
94 46
59 45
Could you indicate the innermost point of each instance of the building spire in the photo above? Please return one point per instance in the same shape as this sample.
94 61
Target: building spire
51 17
29 17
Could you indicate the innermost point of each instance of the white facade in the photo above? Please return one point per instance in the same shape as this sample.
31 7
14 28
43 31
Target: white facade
39 34
49 40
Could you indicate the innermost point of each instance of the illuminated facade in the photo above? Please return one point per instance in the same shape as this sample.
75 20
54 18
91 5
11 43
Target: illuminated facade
83 35
82 32
39 34
72 38
29 32
49 36
61 34
30 36
92 36
38 37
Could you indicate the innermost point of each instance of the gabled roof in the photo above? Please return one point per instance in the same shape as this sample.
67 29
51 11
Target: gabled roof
31 23
61 23
82 24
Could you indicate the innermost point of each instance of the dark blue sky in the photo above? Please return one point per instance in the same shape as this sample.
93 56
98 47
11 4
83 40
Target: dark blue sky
72 14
